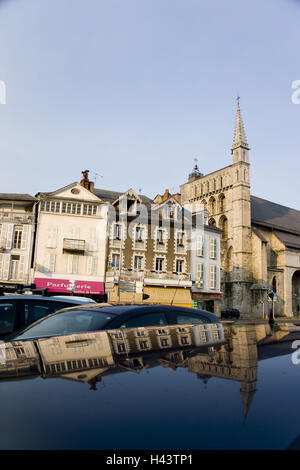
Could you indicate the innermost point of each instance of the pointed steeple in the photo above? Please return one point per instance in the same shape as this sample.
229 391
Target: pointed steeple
240 139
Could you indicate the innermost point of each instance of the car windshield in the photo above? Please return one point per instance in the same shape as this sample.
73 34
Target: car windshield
72 321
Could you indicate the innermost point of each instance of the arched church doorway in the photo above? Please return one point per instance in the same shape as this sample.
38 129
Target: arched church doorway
296 292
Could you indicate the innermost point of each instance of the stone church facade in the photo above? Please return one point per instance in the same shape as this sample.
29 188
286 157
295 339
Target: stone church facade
260 243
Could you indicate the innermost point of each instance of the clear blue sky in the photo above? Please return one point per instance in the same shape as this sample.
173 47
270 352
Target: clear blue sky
136 89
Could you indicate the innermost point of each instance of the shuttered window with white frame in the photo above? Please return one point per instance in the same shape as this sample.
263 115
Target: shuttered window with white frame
212 276
199 246
212 248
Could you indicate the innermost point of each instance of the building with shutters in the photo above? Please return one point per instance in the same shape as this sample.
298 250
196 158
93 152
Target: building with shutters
16 235
148 244
70 243
206 266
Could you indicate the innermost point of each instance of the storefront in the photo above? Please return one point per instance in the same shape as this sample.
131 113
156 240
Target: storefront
68 286
207 301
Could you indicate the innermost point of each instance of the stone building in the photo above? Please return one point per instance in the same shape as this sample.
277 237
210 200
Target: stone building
260 243
148 244
16 235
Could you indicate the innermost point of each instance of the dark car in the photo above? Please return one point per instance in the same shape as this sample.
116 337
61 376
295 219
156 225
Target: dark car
231 313
105 316
20 310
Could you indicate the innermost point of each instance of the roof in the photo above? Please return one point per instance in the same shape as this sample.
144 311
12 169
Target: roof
274 215
289 239
111 196
17 197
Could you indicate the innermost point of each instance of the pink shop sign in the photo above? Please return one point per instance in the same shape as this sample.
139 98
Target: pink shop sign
65 286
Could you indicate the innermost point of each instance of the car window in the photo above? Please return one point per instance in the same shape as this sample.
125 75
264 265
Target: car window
74 321
7 317
36 309
186 318
148 319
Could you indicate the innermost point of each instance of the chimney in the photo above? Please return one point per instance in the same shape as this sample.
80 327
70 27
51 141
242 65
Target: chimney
91 186
166 195
85 179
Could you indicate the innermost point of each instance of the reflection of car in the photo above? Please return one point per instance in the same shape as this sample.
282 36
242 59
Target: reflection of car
18 311
231 313
104 316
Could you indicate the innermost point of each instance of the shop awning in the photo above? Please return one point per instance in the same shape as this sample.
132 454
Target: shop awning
165 295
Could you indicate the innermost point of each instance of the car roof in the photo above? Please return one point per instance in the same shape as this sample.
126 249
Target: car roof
72 300
122 309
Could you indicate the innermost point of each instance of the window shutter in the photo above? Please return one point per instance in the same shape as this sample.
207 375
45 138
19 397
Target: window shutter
6 265
52 237
24 237
89 267
46 262
3 235
200 246
92 241
70 264
75 264
52 262
9 236
21 267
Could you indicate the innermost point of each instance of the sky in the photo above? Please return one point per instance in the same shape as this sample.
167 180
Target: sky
136 90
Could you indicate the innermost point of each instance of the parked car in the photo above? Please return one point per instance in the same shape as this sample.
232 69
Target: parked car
231 313
20 310
105 316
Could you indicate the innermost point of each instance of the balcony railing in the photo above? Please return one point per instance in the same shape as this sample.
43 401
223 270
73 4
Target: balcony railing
16 219
74 246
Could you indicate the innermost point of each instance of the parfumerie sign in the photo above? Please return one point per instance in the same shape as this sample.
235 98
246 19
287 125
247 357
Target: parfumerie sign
63 285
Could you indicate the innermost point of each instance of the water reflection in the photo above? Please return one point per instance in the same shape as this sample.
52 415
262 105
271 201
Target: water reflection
231 353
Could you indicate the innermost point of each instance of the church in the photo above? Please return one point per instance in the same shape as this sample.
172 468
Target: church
260 243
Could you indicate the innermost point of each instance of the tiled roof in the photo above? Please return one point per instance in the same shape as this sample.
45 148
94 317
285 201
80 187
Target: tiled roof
274 215
17 197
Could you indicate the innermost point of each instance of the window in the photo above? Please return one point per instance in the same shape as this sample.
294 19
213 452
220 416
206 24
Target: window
159 236
179 265
64 207
200 274
18 237
159 264
149 319
199 246
7 317
117 232
57 207
182 318
171 211
180 238
14 267
164 342
139 234
68 322
72 267
34 310
212 248
115 260
138 260
212 277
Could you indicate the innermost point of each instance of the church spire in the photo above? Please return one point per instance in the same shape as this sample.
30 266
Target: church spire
240 139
